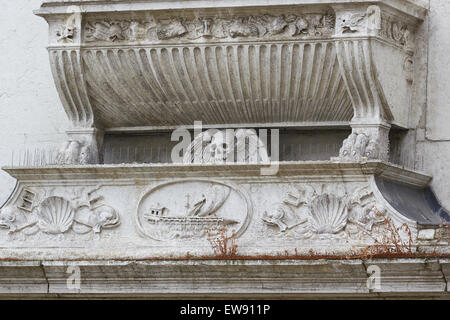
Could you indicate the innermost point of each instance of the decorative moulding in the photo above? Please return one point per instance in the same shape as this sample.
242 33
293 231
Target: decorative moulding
132 172
150 64
167 211
228 279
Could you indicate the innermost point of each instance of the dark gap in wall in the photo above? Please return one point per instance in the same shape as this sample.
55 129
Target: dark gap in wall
156 147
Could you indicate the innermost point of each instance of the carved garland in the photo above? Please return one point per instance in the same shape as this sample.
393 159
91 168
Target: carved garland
265 26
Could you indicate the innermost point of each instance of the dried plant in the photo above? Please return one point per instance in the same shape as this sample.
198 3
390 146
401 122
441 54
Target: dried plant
391 242
223 244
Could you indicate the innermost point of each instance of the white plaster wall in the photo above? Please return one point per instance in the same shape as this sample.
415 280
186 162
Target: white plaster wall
438 112
436 149
30 112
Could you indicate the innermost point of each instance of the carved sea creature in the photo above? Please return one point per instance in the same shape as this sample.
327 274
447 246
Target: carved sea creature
55 215
98 218
172 30
15 221
7 219
328 214
106 31
365 211
284 214
351 22
276 25
240 27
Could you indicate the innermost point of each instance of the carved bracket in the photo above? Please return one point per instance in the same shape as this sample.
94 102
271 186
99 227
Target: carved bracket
82 147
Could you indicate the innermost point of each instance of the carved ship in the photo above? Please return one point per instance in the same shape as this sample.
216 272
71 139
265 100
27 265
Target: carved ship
156 216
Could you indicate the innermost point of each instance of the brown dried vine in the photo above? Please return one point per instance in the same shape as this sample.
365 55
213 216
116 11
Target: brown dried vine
223 244
391 243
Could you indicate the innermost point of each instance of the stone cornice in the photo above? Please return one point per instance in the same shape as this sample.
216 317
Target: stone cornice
131 172
408 7
228 278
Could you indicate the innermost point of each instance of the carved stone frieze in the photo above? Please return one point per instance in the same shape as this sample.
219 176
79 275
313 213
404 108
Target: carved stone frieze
56 211
377 22
352 22
173 210
250 65
178 28
395 30
305 213
192 209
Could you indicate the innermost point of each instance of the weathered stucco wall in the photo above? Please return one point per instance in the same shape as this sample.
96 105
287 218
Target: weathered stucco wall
436 150
31 115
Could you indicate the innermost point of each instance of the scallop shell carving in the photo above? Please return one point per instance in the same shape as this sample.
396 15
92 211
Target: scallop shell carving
55 215
328 214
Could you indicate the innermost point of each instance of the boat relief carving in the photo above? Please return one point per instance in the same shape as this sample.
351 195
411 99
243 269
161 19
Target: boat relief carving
192 209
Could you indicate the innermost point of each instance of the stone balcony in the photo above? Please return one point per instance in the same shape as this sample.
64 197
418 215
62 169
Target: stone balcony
149 66
333 75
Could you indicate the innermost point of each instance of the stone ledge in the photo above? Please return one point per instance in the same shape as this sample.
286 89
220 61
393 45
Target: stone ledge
295 168
222 278
410 7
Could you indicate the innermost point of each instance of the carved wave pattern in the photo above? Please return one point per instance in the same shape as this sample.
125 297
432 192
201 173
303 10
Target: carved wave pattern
242 83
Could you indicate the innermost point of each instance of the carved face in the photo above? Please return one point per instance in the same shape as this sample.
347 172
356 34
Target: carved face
69 33
221 146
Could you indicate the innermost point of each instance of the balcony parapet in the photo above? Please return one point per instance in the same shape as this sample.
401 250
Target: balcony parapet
125 64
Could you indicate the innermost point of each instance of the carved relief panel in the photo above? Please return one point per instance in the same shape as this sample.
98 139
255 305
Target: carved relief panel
206 28
58 212
193 209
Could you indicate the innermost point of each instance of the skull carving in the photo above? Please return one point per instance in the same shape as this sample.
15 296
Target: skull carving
221 147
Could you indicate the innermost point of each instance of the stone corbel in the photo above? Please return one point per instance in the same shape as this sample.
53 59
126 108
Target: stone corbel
361 44
66 64
84 140
82 147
